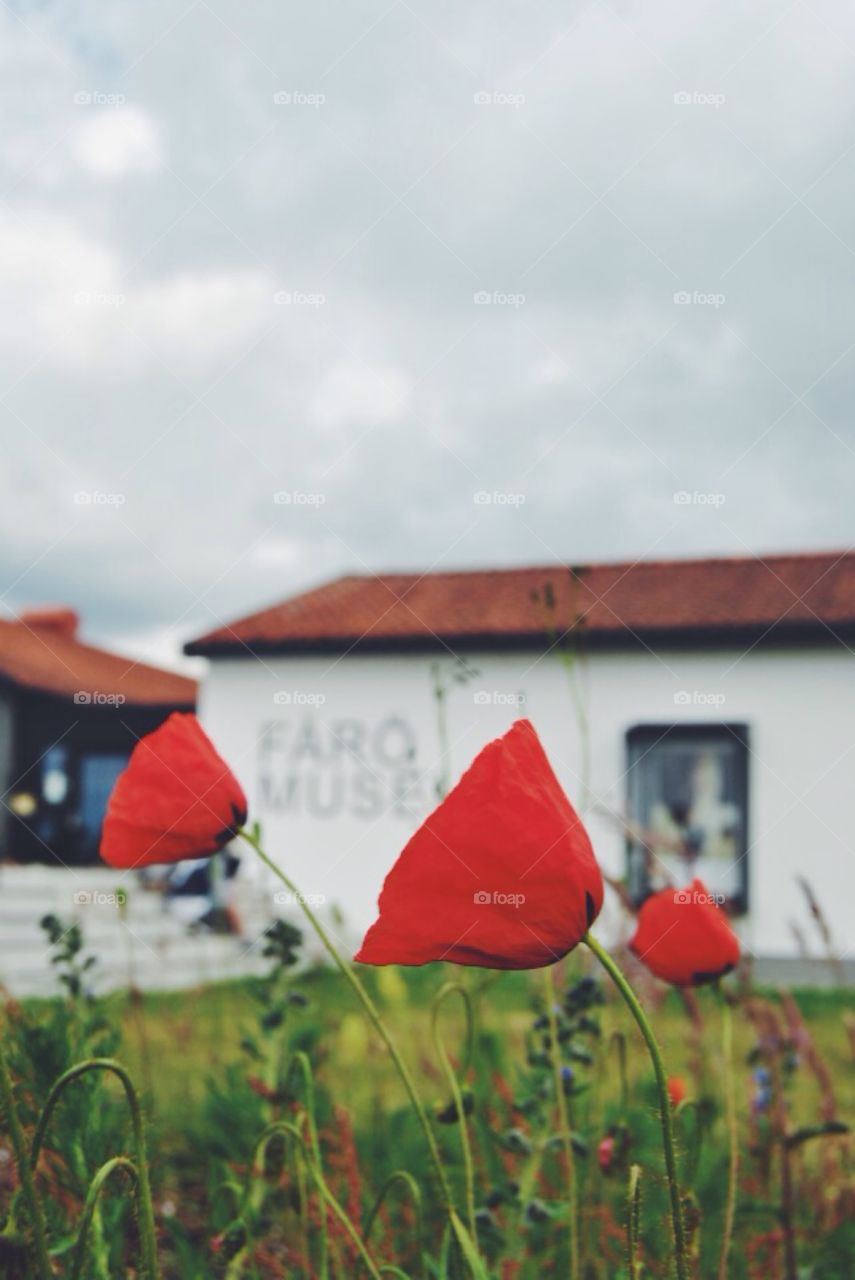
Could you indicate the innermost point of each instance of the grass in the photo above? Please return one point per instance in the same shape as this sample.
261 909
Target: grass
175 1041
206 1102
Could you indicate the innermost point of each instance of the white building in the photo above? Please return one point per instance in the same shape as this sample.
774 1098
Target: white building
701 714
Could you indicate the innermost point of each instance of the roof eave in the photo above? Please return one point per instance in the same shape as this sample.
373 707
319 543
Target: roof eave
708 636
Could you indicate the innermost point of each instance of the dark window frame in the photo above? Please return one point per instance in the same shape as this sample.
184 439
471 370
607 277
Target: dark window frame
642 738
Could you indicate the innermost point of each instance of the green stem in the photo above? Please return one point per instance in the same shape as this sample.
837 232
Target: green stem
372 1012
634 1221
99 1250
733 1139
95 1188
650 1040
36 1225
408 1181
301 1060
148 1236
291 1130
455 988
619 1039
563 1123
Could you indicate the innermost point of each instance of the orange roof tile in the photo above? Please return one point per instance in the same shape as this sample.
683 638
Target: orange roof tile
41 653
796 595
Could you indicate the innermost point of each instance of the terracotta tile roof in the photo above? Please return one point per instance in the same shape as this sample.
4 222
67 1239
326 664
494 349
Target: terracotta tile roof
42 652
799 595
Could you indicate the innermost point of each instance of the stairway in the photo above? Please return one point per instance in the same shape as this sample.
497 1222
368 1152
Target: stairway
146 942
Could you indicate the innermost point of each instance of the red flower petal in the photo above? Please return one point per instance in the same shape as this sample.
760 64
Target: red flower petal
501 874
176 799
684 938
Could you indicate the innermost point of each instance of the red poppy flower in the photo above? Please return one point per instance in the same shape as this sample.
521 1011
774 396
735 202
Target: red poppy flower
677 1090
501 874
606 1153
176 799
684 938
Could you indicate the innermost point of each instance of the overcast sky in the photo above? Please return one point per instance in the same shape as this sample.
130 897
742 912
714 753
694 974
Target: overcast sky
244 252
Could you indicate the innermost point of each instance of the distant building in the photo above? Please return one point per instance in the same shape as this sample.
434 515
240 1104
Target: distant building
69 717
699 712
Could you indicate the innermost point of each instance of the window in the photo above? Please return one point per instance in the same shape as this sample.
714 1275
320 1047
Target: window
688 808
97 777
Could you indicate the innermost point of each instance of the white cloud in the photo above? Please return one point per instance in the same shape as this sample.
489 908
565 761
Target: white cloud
112 141
352 393
75 310
194 318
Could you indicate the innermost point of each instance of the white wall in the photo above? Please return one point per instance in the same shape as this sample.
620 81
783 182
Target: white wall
799 707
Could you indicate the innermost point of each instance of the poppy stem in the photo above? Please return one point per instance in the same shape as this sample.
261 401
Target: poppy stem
563 1123
733 1137
635 1008
455 988
36 1224
370 1008
145 1210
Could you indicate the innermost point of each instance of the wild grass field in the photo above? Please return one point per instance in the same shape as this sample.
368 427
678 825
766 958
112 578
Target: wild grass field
215 1066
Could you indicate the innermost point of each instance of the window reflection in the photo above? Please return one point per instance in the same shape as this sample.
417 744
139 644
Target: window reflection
687 809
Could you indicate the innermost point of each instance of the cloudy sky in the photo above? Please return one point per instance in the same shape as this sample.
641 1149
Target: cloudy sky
289 291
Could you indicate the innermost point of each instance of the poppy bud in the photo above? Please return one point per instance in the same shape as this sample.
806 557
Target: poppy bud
515 1140
606 1153
677 1090
484 1221
536 1211
683 937
448 1114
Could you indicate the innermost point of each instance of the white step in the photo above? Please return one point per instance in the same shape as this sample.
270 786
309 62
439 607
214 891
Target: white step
144 942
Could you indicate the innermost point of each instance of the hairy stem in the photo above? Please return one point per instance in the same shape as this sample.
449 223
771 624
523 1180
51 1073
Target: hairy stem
373 1013
285 1127
148 1238
95 1188
650 1040
454 988
733 1139
563 1124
